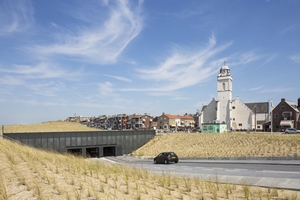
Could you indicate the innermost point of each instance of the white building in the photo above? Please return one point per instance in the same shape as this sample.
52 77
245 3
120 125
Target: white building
235 113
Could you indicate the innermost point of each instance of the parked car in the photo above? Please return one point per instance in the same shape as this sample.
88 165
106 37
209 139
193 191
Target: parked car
291 130
166 158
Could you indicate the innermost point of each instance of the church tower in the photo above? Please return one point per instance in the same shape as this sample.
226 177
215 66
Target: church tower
224 96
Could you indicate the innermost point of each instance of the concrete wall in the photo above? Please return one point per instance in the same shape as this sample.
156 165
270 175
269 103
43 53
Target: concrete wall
124 142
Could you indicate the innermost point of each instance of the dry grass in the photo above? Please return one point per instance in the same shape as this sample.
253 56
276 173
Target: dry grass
56 126
222 145
28 173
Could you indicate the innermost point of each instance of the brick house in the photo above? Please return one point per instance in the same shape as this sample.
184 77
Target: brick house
176 122
286 115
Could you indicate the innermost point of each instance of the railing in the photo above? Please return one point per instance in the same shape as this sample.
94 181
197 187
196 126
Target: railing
9 138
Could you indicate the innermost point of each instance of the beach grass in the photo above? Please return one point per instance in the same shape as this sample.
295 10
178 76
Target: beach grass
205 145
29 173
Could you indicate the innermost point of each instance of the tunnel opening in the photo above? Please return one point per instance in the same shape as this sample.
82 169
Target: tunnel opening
75 152
92 152
109 151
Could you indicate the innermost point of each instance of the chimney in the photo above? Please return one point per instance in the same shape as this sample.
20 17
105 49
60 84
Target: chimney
283 99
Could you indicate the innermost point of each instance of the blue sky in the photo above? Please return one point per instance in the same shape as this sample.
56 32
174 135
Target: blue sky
58 58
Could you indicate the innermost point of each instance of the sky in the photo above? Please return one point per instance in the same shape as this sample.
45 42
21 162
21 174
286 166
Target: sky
89 58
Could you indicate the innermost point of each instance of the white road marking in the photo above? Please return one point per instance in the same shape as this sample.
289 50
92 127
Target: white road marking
283 172
235 170
108 160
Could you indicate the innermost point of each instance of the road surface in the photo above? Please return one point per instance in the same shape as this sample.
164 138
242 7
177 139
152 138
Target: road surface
268 173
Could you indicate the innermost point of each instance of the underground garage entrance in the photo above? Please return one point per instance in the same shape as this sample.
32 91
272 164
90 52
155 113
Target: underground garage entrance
109 151
94 152
76 152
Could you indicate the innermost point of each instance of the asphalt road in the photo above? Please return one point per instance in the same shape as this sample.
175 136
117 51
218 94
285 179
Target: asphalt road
267 173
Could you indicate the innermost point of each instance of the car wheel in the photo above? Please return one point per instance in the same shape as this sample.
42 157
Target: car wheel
176 161
166 162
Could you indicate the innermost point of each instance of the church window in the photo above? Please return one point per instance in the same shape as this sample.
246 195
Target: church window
233 107
233 119
240 124
223 86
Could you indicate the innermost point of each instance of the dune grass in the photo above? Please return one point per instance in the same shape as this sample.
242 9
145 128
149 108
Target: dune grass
200 145
28 173
55 126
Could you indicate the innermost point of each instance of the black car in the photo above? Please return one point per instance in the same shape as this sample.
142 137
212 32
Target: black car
166 157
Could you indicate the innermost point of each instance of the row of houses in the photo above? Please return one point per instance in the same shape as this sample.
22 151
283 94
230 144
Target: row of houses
220 115
138 121
285 115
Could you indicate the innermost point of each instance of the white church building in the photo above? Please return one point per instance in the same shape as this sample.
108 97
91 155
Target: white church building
236 114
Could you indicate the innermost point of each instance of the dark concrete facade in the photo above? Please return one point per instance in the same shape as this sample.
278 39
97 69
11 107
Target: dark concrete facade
91 144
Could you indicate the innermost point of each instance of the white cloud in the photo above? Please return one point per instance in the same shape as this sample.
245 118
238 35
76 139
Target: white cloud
180 98
296 58
247 58
41 71
188 13
48 89
10 80
105 89
43 79
34 102
183 68
98 43
277 90
269 59
289 29
92 105
255 88
15 16
120 78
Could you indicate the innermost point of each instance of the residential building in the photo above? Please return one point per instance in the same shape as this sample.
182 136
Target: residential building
286 115
175 122
117 122
138 121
